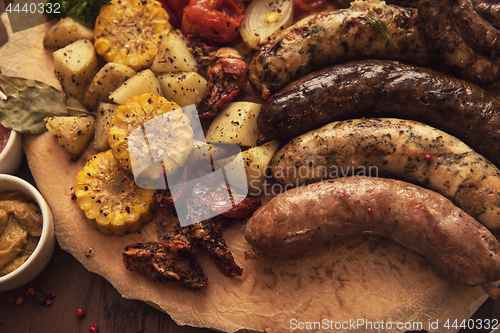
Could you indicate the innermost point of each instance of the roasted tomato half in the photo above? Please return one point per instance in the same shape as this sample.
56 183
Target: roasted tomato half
175 9
309 5
214 20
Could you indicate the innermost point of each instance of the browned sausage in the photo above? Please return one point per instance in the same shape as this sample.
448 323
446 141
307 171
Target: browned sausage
479 34
421 220
444 36
488 9
403 3
385 88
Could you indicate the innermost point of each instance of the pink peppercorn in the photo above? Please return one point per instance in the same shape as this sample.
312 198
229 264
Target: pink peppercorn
80 312
30 291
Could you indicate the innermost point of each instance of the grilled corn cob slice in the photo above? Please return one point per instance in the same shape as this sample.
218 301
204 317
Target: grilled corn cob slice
110 199
128 32
168 138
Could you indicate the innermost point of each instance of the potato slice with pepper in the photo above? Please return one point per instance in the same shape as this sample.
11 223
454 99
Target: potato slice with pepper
237 124
72 133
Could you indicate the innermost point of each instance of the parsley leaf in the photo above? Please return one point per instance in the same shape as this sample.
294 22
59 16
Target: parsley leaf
83 10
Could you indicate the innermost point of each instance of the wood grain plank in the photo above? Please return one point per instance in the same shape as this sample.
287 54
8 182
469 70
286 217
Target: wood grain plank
76 287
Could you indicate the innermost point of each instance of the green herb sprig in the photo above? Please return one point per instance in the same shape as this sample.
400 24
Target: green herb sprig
83 10
381 28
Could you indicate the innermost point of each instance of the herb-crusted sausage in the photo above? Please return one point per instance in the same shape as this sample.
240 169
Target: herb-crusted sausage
377 88
399 148
419 219
331 37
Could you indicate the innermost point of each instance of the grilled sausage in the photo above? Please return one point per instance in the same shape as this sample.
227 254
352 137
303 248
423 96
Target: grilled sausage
488 9
477 32
404 3
445 38
421 220
331 37
385 88
403 149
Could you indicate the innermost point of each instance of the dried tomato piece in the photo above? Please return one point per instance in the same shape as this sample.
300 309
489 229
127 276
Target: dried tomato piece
214 20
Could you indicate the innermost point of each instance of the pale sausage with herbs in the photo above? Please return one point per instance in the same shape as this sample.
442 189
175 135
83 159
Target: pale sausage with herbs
397 148
331 37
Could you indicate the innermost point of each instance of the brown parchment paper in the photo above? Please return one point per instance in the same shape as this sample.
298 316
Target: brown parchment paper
367 281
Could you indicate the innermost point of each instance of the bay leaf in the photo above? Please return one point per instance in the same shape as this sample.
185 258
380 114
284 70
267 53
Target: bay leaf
75 108
12 84
29 102
25 110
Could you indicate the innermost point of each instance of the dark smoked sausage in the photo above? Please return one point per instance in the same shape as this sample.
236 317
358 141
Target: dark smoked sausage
421 220
451 48
488 9
377 88
480 34
403 3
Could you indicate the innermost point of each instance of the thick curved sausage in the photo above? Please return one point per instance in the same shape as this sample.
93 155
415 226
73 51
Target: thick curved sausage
488 9
385 88
421 220
444 36
404 149
331 37
477 32
403 3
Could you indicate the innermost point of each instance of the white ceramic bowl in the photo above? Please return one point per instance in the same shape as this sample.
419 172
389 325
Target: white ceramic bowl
43 251
12 155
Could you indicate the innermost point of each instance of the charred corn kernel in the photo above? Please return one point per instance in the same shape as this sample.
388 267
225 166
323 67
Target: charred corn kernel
128 32
168 138
109 197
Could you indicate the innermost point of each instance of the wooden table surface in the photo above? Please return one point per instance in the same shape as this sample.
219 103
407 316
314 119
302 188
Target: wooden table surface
75 287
